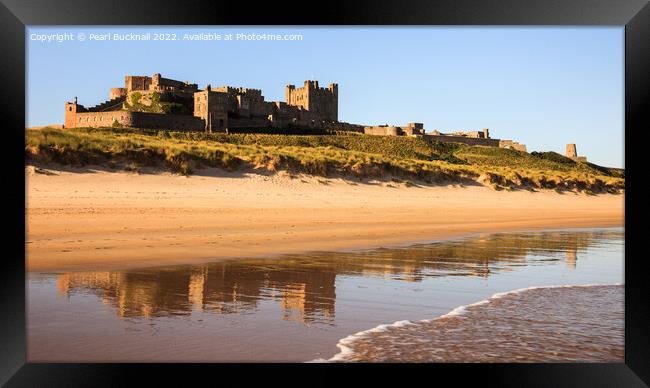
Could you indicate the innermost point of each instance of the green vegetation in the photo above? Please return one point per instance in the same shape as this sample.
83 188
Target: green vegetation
156 103
394 147
398 159
135 98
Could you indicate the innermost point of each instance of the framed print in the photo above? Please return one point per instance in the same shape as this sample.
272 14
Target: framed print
376 190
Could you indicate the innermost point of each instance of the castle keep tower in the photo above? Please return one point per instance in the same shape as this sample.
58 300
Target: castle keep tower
322 102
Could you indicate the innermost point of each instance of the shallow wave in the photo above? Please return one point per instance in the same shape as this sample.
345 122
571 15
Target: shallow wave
346 345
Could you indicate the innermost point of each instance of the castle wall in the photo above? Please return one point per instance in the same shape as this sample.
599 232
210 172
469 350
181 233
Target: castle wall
251 105
103 119
259 107
117 93
472 134
416 129
383 131
282 114
513 145
413 129
246 102
139 120
473 141
167 121
297 97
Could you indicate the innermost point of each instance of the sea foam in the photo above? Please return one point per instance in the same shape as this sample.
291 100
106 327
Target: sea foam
345 344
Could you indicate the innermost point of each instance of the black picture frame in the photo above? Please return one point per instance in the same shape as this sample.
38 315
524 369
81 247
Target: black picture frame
15 15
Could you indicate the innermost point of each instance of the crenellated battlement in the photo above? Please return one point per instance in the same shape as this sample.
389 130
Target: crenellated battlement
238 90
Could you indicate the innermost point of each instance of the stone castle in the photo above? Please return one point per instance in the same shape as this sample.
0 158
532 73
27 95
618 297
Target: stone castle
161 103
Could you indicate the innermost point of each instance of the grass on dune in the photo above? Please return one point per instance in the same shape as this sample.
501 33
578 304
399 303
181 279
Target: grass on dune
360 156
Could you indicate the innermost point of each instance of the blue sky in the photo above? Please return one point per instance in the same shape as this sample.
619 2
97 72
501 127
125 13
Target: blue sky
544 87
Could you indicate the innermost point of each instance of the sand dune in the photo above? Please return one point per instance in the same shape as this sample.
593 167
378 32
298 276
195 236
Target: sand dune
80 220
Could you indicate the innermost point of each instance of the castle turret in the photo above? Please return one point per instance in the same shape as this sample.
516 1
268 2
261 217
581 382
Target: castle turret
155 81
71 114
334 108
287 92
571 151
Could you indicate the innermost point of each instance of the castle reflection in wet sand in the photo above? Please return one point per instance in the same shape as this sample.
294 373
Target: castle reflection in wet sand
234 310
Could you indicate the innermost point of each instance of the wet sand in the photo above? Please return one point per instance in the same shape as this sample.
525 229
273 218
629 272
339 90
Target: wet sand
82 219
547 324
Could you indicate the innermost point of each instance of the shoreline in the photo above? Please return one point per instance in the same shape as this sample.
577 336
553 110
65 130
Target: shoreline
97 220
345 345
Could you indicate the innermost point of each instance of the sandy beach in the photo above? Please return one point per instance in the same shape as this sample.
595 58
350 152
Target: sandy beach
91 219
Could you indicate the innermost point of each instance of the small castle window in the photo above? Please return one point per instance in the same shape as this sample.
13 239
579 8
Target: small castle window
70 109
